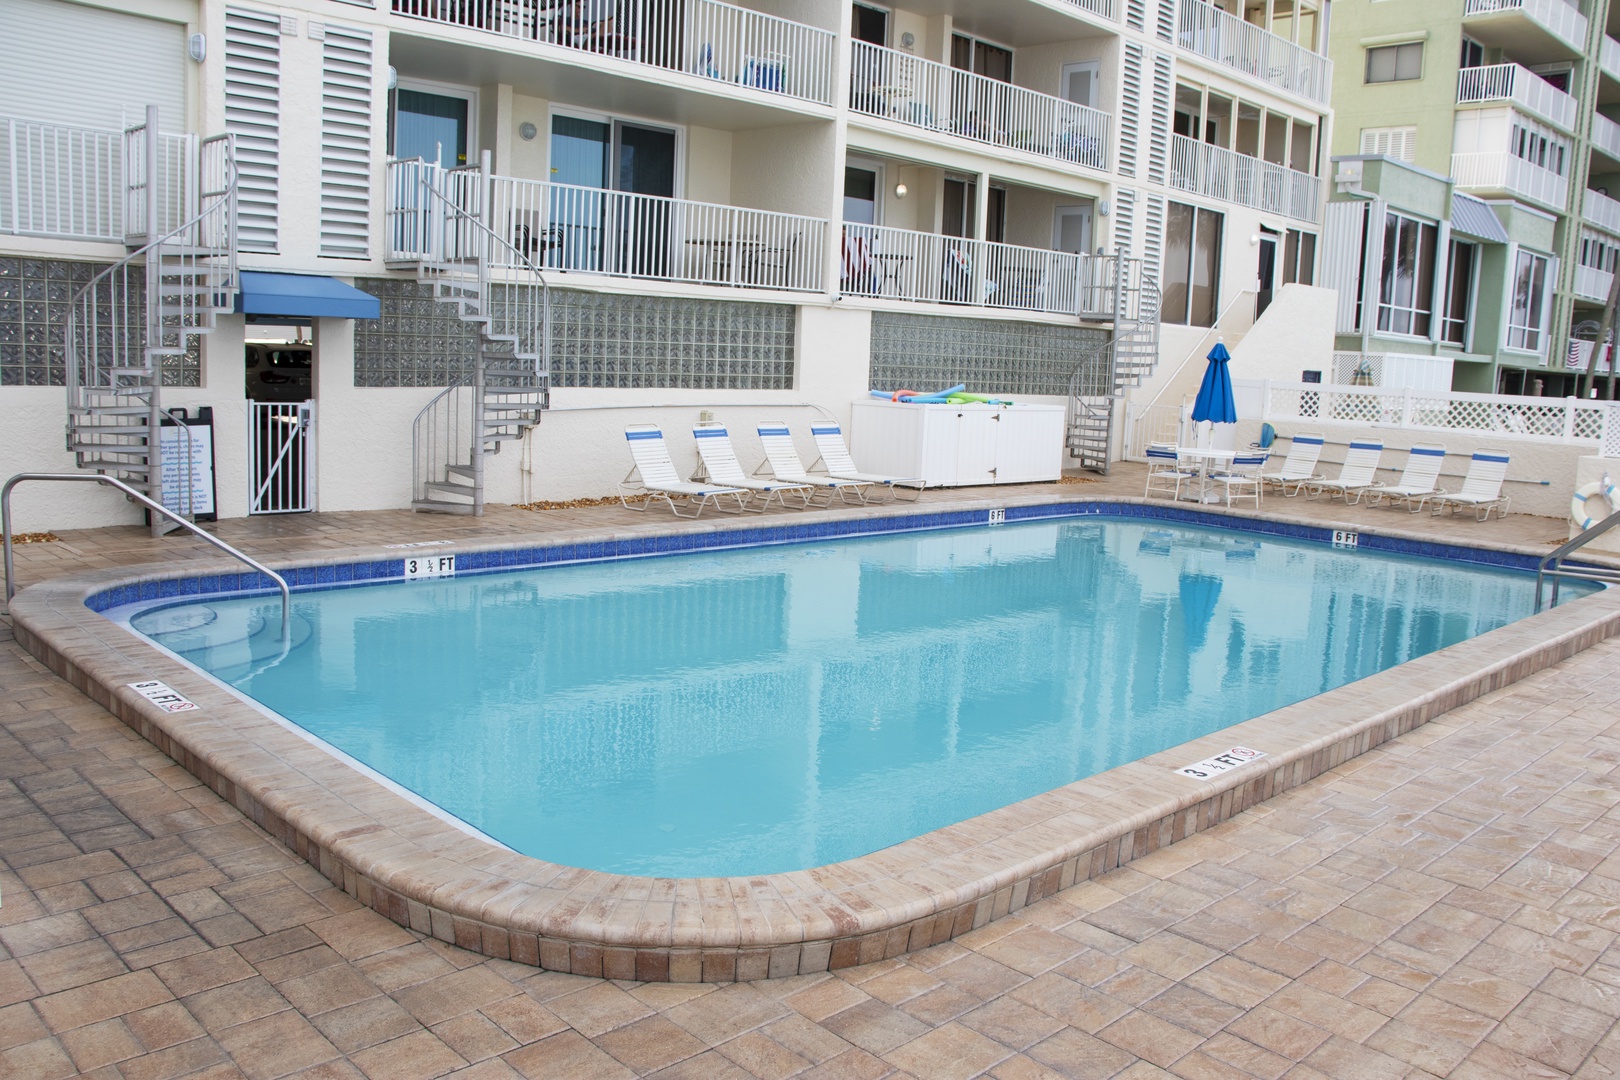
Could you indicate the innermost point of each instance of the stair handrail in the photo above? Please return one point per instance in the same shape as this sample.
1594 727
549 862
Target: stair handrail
213 202
1552 565
154 507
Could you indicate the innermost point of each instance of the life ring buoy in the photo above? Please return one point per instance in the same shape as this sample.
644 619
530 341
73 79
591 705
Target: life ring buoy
1579 504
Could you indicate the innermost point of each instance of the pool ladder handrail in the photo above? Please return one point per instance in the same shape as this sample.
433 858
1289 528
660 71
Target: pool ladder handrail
1552 566
155 507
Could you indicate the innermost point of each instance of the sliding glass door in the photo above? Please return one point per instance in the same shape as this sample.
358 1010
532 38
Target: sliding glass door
593 227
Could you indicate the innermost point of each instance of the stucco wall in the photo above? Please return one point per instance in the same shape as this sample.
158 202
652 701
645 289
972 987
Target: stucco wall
1295 334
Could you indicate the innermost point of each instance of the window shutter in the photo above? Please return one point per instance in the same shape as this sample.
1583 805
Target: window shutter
346 143
1153 236
1159 122
1167 20
1136 14
1395 142
1130 108
1124 221
253 115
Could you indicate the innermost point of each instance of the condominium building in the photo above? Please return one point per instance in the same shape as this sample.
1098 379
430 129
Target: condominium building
434 252
1442 106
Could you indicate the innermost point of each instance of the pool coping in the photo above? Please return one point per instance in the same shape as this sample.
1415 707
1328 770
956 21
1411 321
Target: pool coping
425 873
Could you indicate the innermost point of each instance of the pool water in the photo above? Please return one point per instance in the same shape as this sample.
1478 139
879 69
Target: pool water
770 709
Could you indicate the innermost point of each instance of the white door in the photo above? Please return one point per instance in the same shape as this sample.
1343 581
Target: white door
1080 83
976 434
1071 229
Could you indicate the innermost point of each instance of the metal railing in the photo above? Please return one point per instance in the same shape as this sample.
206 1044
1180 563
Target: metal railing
622 234
1103 9
1562 20
929 268
152 507
1606 135
1502 171
1554 565
1609 57
724 42
1593 284
1232 177
1226 39
1557 420
444 437
1600 210
1521 86
921 93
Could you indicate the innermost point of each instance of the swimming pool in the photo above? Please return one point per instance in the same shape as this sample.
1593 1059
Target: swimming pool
772 709
400 858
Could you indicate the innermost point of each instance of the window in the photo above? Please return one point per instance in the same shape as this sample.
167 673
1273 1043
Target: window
860 195
981 58
960 207
1395 63
1192 262
1473 54
1406 288
1528 310
437 124
1598 252
1454 324
1538 145
1395 142
1299 258
869 24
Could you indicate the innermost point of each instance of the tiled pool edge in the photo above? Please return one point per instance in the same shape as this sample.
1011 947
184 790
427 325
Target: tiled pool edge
869 909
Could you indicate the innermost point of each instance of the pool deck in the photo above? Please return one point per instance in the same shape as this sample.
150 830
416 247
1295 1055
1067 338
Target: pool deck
1444 903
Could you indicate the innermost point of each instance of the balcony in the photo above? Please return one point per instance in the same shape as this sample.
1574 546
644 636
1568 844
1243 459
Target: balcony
1609 58
732 45
932 269
1228 40
1521 87
1219 173
922 94
1601 211
1593 284
1605 138
589 230
1504 174
1532 31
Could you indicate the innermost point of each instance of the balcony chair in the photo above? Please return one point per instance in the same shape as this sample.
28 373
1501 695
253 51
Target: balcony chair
836 460
1418 480
1482 487
654 476
782 459
1241 478
719 464
1357 475
1166 473
858 272
1299 467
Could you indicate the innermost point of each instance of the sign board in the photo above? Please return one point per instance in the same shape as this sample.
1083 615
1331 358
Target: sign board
163 696
186 455
1214 766
429 566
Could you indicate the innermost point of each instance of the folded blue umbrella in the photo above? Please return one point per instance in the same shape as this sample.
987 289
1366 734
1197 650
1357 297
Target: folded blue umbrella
1214 402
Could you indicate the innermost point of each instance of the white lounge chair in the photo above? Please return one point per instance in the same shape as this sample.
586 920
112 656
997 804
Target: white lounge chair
836 460
1356 476
1299 467
659 480
720 462
1241 478
1166 473
1418 481
782 459
1482 487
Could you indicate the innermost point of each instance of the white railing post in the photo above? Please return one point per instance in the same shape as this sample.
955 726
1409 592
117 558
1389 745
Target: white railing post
1569 415
1406 407
1265 399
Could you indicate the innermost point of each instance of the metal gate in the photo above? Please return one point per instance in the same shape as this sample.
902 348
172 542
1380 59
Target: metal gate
280 458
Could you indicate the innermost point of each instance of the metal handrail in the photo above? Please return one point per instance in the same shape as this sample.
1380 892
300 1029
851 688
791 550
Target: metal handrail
156 507
1552 565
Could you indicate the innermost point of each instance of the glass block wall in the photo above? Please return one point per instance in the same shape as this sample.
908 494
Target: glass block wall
992 356
35 295
597 339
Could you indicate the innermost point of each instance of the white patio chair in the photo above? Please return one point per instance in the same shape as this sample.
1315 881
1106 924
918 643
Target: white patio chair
1166 473
1299 467
1482 487
1241 478
720 463
836 460
1356 476
782 459
1418 481
659 480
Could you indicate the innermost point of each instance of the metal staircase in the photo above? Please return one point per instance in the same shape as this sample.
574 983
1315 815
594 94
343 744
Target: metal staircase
443 232
155 303
1105 373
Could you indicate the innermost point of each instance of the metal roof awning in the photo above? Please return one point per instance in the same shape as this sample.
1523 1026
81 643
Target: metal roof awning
1473 217
266 296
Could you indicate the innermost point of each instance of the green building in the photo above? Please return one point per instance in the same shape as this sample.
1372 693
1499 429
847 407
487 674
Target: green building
1448 108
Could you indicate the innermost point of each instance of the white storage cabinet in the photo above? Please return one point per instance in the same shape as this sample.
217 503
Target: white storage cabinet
958 445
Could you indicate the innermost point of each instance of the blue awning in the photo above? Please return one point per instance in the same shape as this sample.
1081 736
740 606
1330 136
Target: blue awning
302 296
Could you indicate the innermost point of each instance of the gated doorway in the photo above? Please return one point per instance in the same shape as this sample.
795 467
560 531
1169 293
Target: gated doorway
281 414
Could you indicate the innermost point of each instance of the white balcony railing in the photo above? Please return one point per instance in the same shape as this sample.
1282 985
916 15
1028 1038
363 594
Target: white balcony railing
79 183
1609 57
1219 173
929 268
1521 86
1600 210
1563 21
924 94
1103 9
724 42
589 230
1490 172
1593 284
1212 33
1606 136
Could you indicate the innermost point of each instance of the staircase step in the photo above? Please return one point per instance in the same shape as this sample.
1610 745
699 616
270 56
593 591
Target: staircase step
449 488
461 470
124 469
436 506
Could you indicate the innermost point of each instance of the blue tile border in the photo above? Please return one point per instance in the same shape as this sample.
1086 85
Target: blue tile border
348 575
